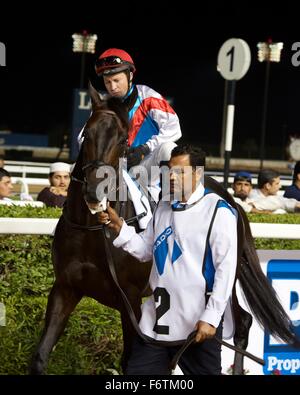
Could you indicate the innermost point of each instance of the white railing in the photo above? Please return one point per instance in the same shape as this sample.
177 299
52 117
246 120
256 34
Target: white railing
46 226
28 168
43 169
28 226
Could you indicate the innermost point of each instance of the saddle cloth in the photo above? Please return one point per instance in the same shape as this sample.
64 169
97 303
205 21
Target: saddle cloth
139 200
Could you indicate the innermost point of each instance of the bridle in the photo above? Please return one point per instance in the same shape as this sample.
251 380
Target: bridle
96 164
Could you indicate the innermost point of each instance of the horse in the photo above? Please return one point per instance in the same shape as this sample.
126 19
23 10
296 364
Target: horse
83 253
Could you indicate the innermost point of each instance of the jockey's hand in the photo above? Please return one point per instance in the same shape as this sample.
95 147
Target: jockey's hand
111 219
136 155
204 331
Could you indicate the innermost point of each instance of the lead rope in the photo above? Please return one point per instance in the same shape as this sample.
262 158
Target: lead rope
191 339
188 341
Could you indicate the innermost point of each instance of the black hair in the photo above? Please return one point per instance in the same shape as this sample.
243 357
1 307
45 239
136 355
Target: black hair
265 176
4 173
296 171
196 154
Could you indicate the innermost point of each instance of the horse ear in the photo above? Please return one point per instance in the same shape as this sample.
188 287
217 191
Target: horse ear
96 100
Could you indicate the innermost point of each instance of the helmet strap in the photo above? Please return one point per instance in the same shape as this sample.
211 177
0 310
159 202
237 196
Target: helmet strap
129 75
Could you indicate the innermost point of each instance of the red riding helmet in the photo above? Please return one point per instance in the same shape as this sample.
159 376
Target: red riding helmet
114 61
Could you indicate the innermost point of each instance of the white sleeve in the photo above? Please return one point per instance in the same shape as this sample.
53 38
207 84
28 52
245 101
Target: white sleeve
168 125
274 202
139 245
289 204
223 244
246 206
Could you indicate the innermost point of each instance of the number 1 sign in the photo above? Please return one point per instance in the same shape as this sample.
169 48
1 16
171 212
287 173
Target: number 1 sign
234 59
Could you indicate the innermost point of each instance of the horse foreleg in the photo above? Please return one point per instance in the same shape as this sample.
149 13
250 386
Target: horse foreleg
61 302
241 338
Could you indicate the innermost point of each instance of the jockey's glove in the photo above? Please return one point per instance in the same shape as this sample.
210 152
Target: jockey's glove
136 155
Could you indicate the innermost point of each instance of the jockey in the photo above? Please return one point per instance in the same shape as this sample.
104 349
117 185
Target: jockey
154 125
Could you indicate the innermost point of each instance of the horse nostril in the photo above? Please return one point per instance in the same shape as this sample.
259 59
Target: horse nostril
90 195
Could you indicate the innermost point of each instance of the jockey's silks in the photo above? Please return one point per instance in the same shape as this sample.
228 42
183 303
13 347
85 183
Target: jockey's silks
152 120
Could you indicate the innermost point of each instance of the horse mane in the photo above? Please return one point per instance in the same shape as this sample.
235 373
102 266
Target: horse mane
260 295
115 105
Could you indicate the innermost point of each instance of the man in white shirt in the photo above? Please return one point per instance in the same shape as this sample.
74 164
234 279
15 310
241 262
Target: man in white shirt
265 196
193 243
242 187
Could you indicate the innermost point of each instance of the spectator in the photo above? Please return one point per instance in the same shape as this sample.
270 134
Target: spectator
293 191
6 186
59 178
265 196
242 187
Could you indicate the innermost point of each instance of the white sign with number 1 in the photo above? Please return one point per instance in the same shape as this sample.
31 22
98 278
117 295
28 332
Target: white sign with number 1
234 59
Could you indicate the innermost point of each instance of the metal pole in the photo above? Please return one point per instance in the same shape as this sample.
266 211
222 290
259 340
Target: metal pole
264 115
229 128
82 70
222 147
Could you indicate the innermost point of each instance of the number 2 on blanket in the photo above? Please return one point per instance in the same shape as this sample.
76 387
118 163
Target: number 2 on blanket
162 295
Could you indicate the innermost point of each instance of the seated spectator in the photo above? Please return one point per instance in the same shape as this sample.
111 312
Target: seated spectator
6 186
265 196
242 186
293 191
59 178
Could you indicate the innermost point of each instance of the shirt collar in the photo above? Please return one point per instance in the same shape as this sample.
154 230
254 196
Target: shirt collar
128 93
195 196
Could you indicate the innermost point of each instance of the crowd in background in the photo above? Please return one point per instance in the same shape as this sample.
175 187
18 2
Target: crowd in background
264 198
53 195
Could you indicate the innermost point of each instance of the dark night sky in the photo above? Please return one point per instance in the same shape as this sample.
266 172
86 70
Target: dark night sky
175 49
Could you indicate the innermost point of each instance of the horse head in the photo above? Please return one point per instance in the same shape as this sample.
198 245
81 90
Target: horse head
105 141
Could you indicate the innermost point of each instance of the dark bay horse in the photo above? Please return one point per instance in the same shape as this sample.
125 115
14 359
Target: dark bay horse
81 261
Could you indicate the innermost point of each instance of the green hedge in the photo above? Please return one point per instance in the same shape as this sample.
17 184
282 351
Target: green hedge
276 244
92 341
29 212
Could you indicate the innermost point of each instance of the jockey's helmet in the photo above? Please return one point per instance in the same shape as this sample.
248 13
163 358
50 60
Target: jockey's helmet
114 61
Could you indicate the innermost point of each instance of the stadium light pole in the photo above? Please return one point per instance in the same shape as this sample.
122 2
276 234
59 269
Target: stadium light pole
84 43
267 52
